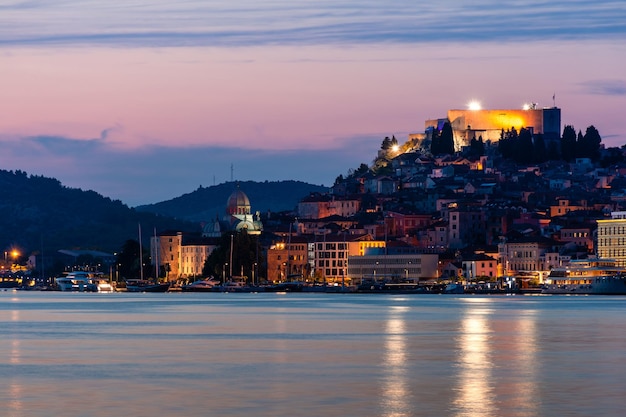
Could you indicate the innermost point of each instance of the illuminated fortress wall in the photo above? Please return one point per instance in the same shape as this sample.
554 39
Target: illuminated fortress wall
489 123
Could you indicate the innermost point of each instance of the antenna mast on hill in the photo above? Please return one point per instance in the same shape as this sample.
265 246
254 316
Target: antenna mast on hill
232 175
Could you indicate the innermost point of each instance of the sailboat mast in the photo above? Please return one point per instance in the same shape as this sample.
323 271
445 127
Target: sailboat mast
231 256
140 255
156 256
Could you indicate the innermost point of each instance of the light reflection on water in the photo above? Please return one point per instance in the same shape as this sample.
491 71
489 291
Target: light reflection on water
475 380
310 355
395 393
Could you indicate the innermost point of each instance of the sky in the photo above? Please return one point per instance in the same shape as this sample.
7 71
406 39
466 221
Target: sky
146 100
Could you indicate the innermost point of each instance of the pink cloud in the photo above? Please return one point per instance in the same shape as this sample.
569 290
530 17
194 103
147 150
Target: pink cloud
285 97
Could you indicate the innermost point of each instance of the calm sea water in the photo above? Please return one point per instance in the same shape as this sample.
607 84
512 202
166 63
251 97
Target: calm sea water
310 355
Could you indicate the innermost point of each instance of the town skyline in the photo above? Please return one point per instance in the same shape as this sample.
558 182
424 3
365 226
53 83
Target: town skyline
146 103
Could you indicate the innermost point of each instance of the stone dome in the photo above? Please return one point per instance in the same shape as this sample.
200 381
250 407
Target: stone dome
238 203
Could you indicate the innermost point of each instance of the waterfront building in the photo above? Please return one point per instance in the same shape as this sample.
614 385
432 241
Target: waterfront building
394 266
479 266
331 252
181 255
611 235
531 256
288 259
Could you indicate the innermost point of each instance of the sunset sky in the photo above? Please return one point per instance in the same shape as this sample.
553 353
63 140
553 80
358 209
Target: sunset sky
145 100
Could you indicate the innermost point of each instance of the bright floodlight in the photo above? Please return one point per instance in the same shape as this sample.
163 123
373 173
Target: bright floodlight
474 105
395 148
526 106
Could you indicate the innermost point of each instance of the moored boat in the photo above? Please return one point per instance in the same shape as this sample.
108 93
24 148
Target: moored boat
587 276
238 286
83 281
454 288
288 286
138 285
203 285
392 288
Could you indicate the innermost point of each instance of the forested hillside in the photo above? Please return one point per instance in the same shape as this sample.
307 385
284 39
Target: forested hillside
205 203
39 213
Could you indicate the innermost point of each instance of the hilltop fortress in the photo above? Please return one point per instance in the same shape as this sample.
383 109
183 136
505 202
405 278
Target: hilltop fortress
488 124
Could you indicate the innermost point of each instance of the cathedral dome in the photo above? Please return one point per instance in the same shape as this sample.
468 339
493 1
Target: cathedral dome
238 203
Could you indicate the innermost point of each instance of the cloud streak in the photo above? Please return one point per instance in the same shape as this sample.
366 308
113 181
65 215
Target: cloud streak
605 87
248 23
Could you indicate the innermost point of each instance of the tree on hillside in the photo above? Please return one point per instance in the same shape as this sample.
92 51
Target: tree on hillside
386 144
568 143
589 144
477 147
524 148
447 139
539 147
508 144
443 141
578 149
381 165
394 141
435 143
362 169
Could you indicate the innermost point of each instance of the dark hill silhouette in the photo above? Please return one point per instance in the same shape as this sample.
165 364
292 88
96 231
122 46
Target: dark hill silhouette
205 203
39 213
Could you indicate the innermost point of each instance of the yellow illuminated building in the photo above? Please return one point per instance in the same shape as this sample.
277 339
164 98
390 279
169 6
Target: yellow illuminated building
488 124
612 238
331 254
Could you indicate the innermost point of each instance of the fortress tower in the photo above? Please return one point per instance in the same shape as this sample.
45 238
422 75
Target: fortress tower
467 124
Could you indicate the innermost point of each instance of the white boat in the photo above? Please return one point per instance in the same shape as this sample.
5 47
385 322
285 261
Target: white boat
237 286
203 285
83 281
454 288
587 276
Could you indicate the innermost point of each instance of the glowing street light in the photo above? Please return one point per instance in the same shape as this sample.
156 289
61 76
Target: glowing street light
14 254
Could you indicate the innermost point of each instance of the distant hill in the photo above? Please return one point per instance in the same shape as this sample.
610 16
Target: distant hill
205 203
39 213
